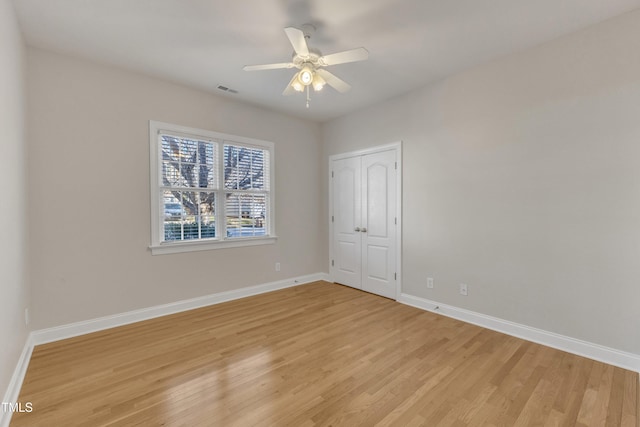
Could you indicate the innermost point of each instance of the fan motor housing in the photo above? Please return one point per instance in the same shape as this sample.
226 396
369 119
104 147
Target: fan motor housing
312 59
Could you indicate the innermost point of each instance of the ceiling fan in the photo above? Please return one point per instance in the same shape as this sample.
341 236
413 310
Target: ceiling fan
311 64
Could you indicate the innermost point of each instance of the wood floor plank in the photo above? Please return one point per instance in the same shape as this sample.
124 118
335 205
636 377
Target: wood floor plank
317 355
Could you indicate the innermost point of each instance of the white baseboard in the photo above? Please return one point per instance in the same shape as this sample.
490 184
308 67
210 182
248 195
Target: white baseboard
11 395
593 351
57 333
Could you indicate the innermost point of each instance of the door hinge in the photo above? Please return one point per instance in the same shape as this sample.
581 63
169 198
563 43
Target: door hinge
395 276
396 165
332 218
332 263
395 220
331 174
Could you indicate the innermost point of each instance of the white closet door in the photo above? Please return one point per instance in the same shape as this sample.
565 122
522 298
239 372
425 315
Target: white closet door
364 221
347 239
378 228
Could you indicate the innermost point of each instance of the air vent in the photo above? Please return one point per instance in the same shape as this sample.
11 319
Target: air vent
226 89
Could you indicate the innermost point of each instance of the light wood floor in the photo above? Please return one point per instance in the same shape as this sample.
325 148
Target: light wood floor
318 354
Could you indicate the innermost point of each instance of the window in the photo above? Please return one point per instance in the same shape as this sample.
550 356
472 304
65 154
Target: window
208 190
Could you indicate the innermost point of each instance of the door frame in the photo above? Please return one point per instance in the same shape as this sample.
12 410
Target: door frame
397 147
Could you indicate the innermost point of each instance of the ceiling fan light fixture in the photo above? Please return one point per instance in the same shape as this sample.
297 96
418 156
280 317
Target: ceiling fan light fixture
305 76
297 86
318 83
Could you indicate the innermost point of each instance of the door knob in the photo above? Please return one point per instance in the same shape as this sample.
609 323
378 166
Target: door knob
357 229
363 229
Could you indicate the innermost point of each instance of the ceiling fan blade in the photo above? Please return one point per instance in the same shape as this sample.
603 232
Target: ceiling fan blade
353 55
289 90
333 81
296 37
268 66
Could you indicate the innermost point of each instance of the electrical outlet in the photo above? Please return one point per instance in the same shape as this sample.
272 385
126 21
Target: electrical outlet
463 289
430 282
277 266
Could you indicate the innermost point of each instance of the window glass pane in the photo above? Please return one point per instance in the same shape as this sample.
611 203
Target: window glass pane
188 163
170 174
187 177
189 215
230 161
245 214
245 168
170 147
173 213
257 166
188 150
170 161
190 225
207 215
206 165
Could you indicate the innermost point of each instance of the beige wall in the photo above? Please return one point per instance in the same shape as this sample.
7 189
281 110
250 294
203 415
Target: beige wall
89 192
14 292
522 179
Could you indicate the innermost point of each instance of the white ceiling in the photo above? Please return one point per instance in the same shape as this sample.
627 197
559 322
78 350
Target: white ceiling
205 43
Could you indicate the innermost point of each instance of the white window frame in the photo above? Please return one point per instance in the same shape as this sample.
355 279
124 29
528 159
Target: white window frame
159 247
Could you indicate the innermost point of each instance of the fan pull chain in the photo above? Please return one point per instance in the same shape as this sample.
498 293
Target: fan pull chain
308 97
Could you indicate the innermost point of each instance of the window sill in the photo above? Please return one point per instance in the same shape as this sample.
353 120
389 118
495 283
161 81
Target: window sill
174 248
